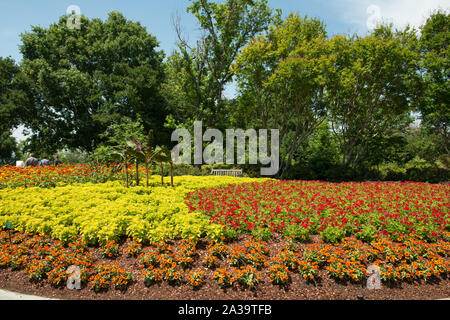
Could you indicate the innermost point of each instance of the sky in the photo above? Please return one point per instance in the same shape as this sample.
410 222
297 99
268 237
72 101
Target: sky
340 16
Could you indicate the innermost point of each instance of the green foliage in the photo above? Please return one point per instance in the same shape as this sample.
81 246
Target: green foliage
230 234
367 233
9 150
282 78
372 80
344 105
333 234
434 103
14 101
297 232
116 137
84 81
263 234
203 72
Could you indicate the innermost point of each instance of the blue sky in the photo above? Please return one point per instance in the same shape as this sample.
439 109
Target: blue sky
340 16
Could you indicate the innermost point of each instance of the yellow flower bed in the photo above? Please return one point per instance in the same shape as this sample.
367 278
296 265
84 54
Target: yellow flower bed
102 212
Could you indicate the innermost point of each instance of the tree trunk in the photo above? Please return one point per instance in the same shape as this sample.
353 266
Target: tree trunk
126 172
146 171
137 172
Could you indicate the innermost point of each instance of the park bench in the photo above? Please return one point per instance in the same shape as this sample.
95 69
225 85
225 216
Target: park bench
229 173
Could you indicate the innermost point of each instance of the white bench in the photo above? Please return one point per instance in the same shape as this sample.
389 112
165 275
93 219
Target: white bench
229 173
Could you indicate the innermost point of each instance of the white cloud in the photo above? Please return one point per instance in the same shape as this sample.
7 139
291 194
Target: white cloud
399 12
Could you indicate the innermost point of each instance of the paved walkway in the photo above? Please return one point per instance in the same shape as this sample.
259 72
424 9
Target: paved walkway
9 295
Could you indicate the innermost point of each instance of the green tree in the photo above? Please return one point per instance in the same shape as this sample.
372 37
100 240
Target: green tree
88 79
434 107
281 76
372 83
14 101
116 138
205 69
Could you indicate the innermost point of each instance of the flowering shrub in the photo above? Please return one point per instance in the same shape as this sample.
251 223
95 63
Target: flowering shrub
172 275
107 274
247 276
110 250
279 274
224 278
287 258
309 270
346 270
37 269
219 250
211 261
237 256
187 252
150 258
133 250
185 262
195 278
152 276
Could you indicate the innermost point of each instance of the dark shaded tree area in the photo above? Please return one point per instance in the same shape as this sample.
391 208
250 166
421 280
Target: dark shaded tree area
14 102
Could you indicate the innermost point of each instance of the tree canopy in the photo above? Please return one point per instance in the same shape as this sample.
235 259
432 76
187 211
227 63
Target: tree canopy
88 79
347 106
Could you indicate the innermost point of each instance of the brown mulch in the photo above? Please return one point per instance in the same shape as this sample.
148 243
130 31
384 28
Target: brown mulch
298 289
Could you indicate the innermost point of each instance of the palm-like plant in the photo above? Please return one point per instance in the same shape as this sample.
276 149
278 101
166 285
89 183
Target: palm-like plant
124 156
145 153
162 156
134 151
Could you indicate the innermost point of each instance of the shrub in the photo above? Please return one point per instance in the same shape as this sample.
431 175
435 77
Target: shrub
279 274
263 234
333 234
248 277
367 233
152 276
110 250
195 278
297 232
223 278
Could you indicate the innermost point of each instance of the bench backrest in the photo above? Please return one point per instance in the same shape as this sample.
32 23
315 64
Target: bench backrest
229 173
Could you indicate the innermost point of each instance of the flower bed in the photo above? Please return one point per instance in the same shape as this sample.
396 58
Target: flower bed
52 176
301 209
251 234
109 211
181 263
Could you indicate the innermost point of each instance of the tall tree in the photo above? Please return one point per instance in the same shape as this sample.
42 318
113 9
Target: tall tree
14 101
372 83
434 45
88 79
281 76
226 28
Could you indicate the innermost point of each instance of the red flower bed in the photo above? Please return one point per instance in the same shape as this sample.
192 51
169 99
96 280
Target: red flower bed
51 176
300 209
